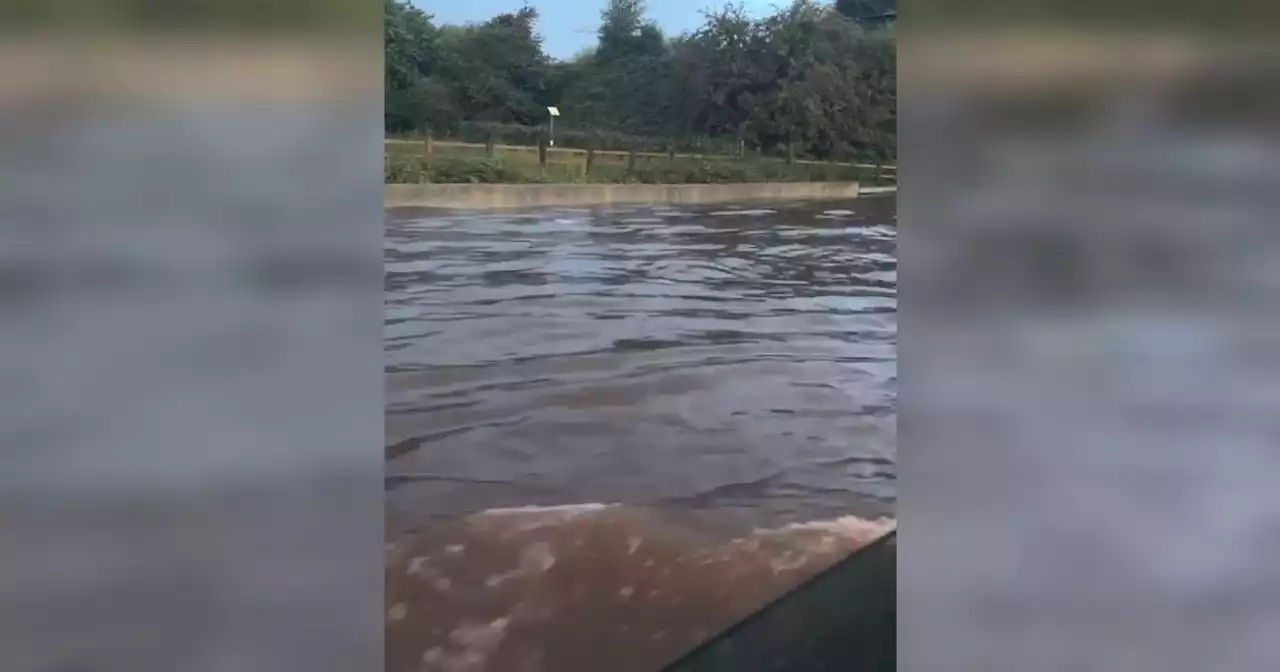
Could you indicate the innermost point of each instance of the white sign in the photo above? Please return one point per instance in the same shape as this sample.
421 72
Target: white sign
555 111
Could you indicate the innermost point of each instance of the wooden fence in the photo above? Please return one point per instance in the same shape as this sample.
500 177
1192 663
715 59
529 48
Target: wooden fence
579 161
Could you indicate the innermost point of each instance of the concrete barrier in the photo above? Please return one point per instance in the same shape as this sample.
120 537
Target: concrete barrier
493 196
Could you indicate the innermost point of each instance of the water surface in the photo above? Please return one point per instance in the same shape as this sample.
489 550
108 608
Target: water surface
722 358
726 375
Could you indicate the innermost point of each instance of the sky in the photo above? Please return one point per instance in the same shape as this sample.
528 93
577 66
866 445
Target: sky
569 25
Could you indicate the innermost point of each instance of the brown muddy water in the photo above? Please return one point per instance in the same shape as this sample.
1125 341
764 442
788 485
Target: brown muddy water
613 432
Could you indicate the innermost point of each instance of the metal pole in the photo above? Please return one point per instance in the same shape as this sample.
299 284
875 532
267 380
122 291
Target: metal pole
553 130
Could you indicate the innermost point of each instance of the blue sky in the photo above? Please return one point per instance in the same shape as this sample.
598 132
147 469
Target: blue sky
569 25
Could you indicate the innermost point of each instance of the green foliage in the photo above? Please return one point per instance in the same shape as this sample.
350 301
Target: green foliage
807 80
437 77
451 169
411 59
517 134
415 169
864 9
625 34
498 70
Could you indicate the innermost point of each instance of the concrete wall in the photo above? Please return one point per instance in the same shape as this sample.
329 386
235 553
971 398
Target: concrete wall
543 195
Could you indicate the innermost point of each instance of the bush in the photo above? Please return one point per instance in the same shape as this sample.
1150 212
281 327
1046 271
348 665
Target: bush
523 170
479 132
517 134
450 169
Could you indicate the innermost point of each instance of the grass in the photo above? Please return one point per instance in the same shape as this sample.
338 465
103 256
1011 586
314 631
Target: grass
478 133
517 168
514 134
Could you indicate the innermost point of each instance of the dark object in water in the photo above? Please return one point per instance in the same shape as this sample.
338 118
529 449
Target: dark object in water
843 619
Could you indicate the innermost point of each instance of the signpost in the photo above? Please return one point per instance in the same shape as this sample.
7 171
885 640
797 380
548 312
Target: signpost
554 112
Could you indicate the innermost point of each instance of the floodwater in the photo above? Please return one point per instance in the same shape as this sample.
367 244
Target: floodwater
612 432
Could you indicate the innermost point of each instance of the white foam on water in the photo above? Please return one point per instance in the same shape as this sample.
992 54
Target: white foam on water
838 213
499 579
821 538
724 213
788 562
473 644
599 569
537 557
849 527
571 509
527 518
397 612
846 526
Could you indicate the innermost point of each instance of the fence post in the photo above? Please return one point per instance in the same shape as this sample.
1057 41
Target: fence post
489 143
631 160
671 151
591 159
426 144
542 151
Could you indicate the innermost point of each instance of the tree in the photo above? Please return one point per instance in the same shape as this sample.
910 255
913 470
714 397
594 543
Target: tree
720 71
808 76
497 69
410 56
625 82
863 9
625 33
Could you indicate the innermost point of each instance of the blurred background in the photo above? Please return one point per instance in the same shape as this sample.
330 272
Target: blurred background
1088 250
190 281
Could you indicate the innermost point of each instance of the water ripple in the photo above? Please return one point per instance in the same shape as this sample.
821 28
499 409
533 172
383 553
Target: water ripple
731 357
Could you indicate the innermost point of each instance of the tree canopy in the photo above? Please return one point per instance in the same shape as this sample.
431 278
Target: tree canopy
810 75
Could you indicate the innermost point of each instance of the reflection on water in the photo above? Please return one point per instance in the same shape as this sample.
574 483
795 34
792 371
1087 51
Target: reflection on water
716 371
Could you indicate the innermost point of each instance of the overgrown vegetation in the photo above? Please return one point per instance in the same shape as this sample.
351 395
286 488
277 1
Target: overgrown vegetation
517 134
413 169
809 80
